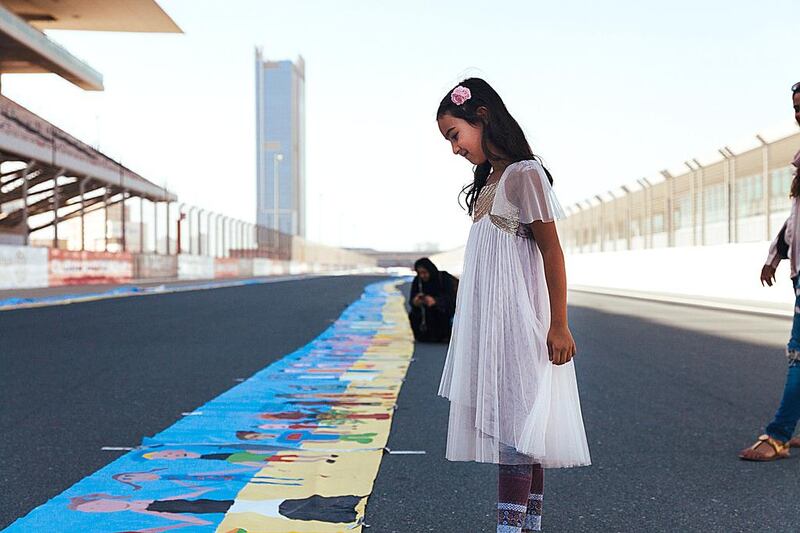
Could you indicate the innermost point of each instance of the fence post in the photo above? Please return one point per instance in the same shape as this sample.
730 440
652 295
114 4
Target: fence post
602 223
702 188
670 201
692 201
766 187
628 217
730 193
648 212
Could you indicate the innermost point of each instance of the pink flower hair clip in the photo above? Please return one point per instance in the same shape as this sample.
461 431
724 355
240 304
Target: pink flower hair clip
460 95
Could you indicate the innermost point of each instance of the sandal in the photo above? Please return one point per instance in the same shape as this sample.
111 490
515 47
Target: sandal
781 450
794 442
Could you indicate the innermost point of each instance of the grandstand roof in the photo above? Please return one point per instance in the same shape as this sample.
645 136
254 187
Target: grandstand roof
102 15
25 136
24 48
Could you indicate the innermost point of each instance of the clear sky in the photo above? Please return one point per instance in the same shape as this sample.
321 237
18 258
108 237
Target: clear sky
607 92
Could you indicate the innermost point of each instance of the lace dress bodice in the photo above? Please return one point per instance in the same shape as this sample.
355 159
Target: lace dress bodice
483 205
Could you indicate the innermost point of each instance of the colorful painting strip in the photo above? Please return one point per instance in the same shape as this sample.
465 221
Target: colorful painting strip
294 448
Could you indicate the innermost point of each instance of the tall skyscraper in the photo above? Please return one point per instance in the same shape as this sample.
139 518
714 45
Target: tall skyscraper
280 144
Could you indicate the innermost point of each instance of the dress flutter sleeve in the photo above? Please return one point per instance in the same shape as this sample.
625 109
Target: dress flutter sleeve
526 195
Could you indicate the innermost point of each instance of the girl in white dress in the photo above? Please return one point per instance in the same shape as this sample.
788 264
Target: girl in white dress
509 373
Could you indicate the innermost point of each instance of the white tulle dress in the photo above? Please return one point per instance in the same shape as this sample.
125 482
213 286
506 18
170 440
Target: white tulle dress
508 403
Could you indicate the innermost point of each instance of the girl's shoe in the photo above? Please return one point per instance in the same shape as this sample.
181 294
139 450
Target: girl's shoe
758 451
794 442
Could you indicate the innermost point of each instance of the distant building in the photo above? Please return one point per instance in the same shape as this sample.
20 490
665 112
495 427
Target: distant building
280 144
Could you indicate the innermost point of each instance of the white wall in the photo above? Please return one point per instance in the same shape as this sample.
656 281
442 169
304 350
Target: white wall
721 271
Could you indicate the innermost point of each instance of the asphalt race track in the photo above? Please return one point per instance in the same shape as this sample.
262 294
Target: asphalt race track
669 395
79 377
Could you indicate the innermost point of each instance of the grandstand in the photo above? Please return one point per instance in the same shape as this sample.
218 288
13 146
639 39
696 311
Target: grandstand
47 176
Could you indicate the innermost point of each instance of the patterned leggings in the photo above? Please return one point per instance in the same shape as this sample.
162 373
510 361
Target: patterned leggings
519 498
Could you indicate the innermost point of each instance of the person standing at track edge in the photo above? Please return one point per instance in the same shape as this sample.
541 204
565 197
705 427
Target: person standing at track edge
509 373
777 440
433 302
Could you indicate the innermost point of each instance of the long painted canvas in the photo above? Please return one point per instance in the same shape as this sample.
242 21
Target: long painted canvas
294 448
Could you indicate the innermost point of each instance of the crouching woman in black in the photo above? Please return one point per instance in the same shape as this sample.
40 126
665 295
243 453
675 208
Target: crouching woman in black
433 302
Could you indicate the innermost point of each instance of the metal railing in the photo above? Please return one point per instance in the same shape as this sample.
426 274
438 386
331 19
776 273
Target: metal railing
741 197
203 232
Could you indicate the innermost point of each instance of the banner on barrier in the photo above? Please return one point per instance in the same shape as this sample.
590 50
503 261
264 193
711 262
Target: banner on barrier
67 267
226 267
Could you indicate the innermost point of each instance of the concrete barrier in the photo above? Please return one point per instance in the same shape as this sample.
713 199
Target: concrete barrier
23 267
195 267
262 267
305 254
67 267
231 267
298 267
226 267
270 267
245 268
155 266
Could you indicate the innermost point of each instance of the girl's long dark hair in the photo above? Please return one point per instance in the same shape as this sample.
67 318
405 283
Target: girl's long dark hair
499 129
